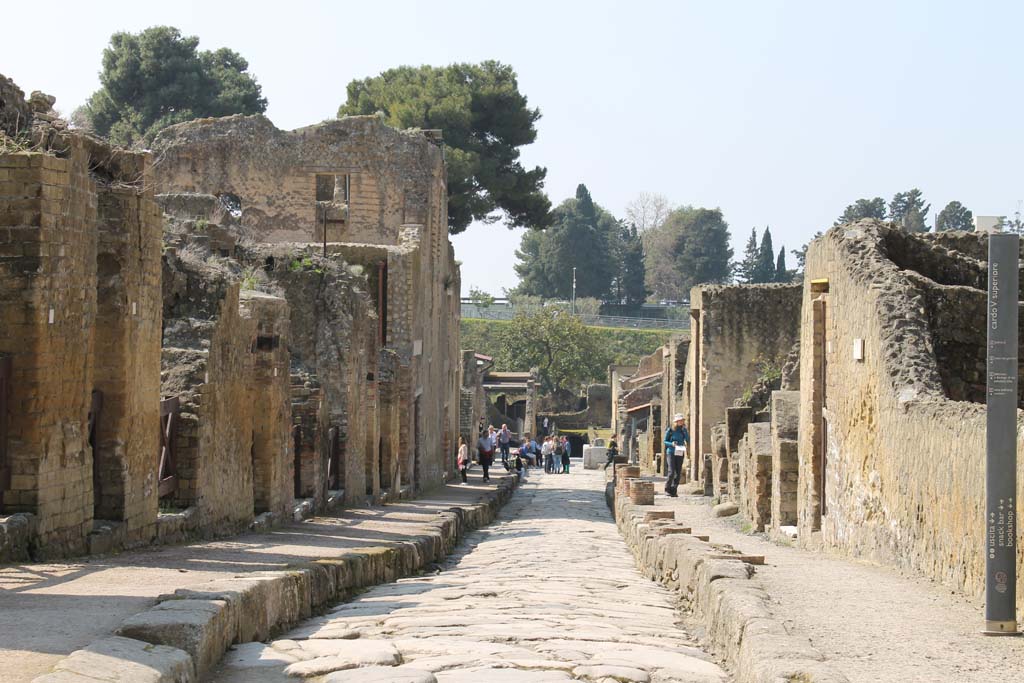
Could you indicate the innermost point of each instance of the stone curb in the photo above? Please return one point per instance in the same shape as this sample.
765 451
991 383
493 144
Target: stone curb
187 632
724 597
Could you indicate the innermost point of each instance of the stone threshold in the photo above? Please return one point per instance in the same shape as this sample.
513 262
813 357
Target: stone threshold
719 588
187 632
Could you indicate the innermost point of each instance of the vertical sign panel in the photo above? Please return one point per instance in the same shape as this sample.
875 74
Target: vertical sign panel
1001 437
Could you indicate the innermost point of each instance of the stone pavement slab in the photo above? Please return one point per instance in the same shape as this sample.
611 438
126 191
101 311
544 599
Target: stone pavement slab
49 610
548 592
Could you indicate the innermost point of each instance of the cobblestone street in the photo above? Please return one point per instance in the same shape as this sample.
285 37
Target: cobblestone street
549 592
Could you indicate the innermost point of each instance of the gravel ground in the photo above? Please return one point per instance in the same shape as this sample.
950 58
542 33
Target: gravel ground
872 623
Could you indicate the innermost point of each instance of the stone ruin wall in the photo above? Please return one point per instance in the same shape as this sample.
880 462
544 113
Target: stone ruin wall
904 468
738 326
396 213
80 237
88 303
274 174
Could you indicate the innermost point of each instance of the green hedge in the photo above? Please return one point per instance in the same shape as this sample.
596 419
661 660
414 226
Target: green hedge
628 345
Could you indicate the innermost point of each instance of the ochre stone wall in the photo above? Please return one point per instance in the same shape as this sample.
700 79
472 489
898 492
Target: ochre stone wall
127 358
734 328
903 464
78 227
388 207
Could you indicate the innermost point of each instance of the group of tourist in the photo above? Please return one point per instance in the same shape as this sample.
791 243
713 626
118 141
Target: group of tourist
552 453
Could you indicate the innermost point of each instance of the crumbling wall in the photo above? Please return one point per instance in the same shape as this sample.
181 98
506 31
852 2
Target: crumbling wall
380 195
225 357
902 464
293 183
737 329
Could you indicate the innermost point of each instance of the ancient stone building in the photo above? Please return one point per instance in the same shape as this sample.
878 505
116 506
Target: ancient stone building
375 198
191 363
892 414
738 332
79 340
511 398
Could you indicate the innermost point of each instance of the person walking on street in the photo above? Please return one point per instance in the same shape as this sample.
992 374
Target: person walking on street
485 450
677 441
566 451
613 450
504 440
463 461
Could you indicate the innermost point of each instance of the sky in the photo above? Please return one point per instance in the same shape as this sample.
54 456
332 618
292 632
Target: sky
779 113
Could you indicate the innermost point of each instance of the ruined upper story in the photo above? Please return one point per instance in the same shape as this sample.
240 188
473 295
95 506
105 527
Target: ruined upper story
932 293
356 178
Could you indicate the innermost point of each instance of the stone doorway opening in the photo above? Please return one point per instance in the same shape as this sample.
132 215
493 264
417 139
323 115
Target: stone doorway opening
819 403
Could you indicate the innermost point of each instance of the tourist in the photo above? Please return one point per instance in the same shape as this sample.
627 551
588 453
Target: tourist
677 440
548 453
613 450
504 440
544 427
463 461
535 452
482 428
556 462
517 465
485 451
566 450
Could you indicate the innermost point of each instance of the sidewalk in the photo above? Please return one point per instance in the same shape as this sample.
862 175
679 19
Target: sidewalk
871 623
49 610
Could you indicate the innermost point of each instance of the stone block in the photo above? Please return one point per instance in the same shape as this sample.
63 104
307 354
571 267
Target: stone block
726 509
594 457
202 628
641 492
123 659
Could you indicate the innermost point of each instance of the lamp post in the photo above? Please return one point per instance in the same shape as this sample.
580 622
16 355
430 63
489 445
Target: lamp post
574 290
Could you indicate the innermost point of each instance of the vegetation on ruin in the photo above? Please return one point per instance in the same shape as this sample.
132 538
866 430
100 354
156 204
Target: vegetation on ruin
484 119
501 339
606 252
158 77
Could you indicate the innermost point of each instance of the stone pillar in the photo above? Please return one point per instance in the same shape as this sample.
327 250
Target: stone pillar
785 425
47 316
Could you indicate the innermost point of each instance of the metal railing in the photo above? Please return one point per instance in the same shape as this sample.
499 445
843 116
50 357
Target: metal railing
504 312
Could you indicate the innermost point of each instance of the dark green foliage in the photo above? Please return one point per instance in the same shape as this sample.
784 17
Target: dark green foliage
567 353
955 216
909 210
158 77
745 268
485 120
701 250
863 208
764 267
581 236
782 273
628 258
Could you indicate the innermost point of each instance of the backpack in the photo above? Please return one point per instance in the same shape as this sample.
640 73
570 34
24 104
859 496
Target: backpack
558 449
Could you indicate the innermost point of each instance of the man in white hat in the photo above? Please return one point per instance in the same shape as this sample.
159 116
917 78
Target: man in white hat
677 441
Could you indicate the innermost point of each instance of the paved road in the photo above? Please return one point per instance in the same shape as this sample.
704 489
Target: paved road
47 610
548 592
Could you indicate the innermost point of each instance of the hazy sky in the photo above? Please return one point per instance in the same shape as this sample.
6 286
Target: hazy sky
780 113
